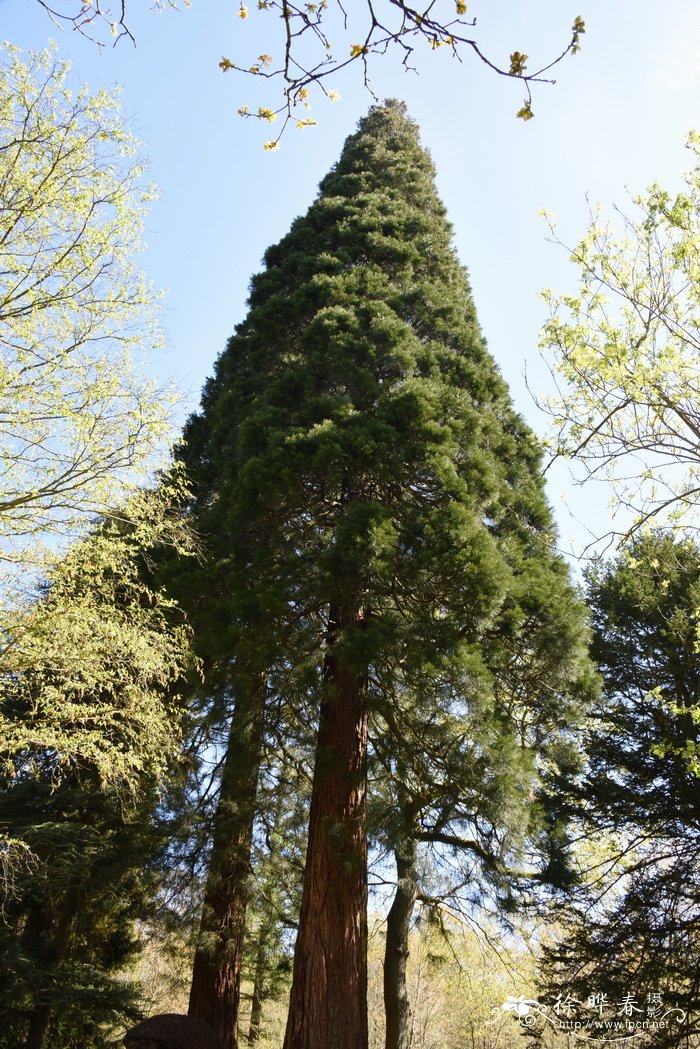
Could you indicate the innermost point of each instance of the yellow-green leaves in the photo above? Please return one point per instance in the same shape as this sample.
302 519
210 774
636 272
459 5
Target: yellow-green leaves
305 59
78 422
87 664
577 29
517 63
626 347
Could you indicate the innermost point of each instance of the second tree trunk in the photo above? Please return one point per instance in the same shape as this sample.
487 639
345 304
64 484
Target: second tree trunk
328 1003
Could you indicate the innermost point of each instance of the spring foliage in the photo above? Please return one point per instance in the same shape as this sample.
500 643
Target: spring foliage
626 346
76 419
87 648
314 40
86 663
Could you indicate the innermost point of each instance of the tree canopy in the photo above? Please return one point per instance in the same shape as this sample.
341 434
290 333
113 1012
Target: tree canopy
372 505
89 648
634 928
77 419
625 346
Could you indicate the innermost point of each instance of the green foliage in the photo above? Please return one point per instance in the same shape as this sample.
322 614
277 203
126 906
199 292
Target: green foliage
75 920
91 728
78 422
358 442
87 662
626 346
635 929
357 449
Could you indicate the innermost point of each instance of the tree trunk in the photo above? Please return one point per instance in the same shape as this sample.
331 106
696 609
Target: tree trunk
215 991
55 953
397 1007
328 1002
258 994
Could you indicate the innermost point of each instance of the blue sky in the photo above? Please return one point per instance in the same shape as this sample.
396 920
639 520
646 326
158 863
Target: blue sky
618 115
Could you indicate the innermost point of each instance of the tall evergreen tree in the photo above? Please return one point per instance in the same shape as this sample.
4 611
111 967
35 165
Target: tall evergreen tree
374 503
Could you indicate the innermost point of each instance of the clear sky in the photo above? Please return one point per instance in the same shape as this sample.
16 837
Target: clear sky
618 116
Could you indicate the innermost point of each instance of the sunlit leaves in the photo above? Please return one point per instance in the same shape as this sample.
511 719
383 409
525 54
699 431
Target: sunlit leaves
517 63
305 56
86 662
626 346
77 420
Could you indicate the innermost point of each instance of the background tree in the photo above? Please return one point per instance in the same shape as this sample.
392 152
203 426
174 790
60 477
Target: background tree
83 667
78 915
626 348
458 818
376 508
76 420
277 872
90 729
304 57
86 667
635 928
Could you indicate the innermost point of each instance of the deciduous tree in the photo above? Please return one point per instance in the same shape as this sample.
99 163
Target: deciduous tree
87 647
88 661
304 59
77 421
626 352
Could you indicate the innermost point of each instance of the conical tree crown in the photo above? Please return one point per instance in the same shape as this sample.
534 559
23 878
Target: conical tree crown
357 443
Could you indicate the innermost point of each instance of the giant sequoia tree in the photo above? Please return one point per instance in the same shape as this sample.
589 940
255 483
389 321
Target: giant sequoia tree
374 509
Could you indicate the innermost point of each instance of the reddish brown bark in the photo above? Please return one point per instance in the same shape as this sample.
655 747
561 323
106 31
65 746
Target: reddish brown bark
328 1003
215 991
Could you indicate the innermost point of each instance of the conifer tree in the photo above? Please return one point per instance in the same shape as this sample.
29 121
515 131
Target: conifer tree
375 506
635 926
74 922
